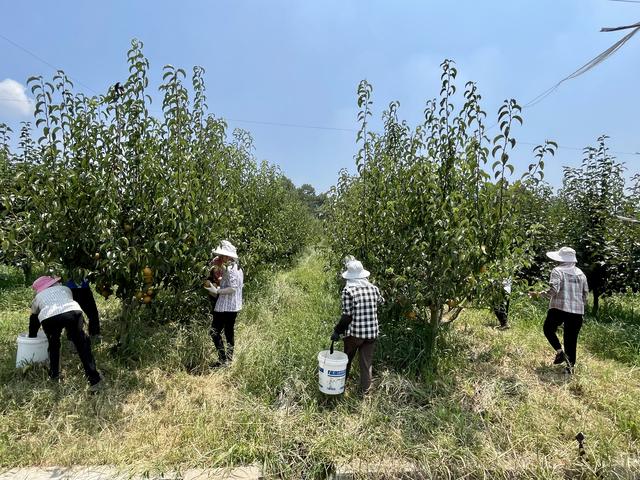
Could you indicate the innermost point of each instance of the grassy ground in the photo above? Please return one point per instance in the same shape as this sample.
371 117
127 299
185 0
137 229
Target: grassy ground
498 410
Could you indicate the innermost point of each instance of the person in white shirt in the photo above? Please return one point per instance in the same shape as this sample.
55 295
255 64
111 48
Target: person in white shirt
229 301
53 308
568 291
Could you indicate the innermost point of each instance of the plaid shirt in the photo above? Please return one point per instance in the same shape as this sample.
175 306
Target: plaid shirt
361 303
568 289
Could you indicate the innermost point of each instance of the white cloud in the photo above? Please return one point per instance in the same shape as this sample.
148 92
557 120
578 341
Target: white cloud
14 102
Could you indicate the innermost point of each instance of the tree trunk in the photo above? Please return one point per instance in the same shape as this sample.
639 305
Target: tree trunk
596 301
27 271
125 324
430 363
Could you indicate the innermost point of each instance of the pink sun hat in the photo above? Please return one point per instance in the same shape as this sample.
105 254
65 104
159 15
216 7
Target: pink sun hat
42 283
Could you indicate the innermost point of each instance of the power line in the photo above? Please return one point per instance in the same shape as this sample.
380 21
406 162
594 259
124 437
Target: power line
587 66
608 52
353 130
564 147
37 57
292 125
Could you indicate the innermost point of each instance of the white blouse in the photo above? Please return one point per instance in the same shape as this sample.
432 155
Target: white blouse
53 301
232 281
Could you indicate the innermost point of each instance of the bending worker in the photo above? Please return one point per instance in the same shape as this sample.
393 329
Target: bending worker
54 309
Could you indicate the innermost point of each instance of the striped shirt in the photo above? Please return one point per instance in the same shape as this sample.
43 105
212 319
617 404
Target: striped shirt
361 303
568 289
53 301
233 277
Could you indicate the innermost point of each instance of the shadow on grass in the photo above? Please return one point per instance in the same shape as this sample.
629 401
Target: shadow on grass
27 395
33 403
402 347
36 375
615 333
623 308
552 374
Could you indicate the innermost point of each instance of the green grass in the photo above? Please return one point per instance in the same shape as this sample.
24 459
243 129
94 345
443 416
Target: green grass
497 409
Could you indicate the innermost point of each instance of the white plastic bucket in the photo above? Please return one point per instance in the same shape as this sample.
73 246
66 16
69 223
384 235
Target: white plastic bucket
332 370
32 350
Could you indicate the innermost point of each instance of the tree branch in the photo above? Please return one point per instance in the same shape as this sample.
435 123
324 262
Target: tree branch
452 314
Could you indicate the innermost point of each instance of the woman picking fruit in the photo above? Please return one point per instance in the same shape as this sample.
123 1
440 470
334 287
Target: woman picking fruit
229 301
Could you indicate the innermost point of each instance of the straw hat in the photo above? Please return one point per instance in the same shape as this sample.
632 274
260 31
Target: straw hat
355 270
227 249
42 283
565 254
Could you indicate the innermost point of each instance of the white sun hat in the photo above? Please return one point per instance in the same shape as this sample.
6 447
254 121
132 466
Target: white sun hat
227 249
565 254
355 270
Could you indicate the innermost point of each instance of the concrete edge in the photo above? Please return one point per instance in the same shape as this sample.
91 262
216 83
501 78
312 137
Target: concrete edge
250 472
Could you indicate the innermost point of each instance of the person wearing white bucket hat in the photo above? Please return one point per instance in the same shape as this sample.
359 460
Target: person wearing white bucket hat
567 292
359 321
229 301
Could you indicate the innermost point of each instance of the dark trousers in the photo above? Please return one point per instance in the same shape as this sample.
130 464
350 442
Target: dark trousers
572 325
72 322
366 347
212 303
502 313
223 322
84 297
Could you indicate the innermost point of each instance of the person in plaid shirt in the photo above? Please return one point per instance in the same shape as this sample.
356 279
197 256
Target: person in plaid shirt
359 321
567 292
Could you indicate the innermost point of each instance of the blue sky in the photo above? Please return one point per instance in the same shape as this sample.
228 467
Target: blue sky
299 62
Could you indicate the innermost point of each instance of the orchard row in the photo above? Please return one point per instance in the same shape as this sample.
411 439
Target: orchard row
101 188
439 216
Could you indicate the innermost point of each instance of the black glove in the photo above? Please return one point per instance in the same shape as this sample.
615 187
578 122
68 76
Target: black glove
34 325
335 336
343 324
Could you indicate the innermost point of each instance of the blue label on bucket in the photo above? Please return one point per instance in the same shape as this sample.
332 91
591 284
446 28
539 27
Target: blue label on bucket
334 373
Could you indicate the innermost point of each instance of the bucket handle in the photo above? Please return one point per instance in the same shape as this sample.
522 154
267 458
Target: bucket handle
324 360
